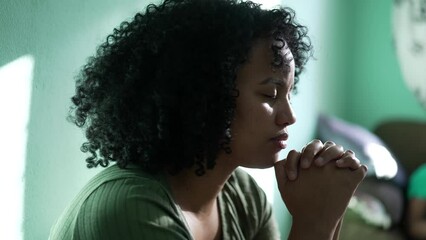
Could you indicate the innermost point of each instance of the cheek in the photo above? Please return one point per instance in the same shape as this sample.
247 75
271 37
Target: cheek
253 119
258 113
251 131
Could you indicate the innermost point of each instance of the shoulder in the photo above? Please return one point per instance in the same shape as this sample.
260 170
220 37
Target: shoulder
420 171
241 186
127 191
247 205
243 181
248 208
246 194
125 202
416 185
419 174
116 185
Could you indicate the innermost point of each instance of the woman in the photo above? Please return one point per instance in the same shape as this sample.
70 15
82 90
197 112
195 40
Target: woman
416 210
179 98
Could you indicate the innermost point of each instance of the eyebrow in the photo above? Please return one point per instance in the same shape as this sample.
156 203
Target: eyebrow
271 80
276 81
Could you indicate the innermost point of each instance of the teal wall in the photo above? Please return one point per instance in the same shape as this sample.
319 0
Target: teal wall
59 35
355 76
379 92
362 71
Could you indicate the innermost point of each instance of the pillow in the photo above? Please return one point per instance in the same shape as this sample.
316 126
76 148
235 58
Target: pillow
368 148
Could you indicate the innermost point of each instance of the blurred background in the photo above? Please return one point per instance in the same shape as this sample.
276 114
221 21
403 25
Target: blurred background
355 76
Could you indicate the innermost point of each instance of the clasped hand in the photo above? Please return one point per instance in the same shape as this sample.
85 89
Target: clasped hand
317 183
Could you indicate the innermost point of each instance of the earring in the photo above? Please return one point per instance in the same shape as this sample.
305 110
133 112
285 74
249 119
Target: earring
228 133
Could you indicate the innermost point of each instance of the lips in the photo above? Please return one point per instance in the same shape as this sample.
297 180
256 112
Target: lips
281 137
281 141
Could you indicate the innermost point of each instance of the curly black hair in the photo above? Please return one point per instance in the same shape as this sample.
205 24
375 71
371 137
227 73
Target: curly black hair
160 91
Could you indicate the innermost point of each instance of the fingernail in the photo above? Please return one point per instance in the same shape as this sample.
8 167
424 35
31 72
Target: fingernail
291 175
339 162
305 163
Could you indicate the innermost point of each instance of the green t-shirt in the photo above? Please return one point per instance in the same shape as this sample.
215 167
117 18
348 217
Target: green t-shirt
132 204
417 185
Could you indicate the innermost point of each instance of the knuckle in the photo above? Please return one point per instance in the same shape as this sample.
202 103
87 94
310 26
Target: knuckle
292 159
351 160
308 152
292 153
348 151
316 141
354 159
339 147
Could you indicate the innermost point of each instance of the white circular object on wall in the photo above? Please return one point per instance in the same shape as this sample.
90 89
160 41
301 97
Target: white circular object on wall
409 31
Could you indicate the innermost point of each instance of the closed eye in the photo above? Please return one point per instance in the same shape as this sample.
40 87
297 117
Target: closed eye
274 96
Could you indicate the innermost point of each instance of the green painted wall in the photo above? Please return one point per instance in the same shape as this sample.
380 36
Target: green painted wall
379 92
60 35
363 73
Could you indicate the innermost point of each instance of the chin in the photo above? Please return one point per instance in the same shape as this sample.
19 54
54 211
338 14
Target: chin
262 163
257 166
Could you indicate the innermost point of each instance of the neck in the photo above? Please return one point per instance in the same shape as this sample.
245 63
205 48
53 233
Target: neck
198 194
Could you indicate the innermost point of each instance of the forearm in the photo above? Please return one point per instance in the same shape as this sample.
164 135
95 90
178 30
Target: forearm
416 218
315 231
337 230
418 229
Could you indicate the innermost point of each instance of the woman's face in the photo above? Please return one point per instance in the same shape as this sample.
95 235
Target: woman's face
263 111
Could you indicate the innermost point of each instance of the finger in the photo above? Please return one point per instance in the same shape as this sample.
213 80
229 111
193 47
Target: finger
326 145
333 152
280 174
309 152
291 164
361 172
348 160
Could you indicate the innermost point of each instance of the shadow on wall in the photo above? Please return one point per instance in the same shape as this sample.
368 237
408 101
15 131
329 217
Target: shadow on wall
45 45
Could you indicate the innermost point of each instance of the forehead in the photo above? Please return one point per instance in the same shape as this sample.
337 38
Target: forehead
274 53
261 63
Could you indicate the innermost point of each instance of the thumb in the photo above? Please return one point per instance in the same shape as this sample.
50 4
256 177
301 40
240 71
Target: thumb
280 174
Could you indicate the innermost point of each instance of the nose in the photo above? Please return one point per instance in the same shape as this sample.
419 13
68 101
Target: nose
285 115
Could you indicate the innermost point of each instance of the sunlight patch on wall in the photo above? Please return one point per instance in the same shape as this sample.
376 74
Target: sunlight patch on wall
265 178
15 96
384 164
